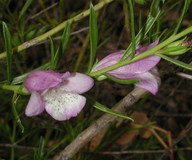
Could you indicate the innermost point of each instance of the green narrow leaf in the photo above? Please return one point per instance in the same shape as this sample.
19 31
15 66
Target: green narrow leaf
142 34
121 81
174 48
142 2
39 152
52 52
62 46
179 52
14 102
9 53
66 36
140 20
184 10
105 109
24 9
176 62
132 26
154 7
93 37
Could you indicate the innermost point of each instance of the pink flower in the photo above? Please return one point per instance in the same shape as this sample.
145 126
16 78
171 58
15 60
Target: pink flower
142 69
57 93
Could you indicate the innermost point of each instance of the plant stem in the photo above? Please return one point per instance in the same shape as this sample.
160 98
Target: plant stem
132 26
81 54
15 88
12 141
56 29
144 54
10 87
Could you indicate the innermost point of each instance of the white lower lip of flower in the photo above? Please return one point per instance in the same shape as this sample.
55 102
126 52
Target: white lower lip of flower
62 105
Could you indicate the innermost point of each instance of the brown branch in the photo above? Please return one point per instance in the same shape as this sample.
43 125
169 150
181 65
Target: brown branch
104 121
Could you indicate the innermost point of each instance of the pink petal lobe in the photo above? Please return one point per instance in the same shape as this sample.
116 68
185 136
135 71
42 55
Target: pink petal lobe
41 80
132 69
149 81
109 60
135 68
35 105
63 105
138 67
141 49
65 75
77 83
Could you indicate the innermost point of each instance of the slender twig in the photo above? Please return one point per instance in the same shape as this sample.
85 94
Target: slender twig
55 30
59 38
104 121
187 130
142 151
17 146
42 11
184 75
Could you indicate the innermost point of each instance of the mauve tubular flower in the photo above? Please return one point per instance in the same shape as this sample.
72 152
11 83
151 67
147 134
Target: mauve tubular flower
57 93
142 69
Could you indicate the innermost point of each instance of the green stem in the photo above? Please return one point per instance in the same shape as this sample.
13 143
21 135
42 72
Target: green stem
10 87
15 113
132 26
144 54
81 54
12 141
15 88
184 10
56 29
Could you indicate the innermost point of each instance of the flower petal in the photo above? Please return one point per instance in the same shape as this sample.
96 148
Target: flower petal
135 68
41 80
65 75
141 49
149 81
35 105
63 105
77 83
109 60
132 69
